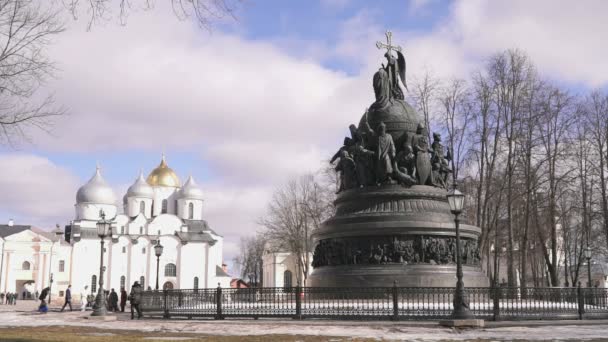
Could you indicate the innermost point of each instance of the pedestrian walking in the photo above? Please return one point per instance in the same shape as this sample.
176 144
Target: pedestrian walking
123 299
113 301
83 299
15 295
43 308
135 298
1 298
68 298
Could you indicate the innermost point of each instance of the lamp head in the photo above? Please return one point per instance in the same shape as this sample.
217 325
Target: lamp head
588 252
158 249
103 226
456 201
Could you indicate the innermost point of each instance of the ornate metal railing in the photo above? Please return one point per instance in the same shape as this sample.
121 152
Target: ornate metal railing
381 303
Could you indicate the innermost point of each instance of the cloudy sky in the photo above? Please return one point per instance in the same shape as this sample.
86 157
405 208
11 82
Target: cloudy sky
252 102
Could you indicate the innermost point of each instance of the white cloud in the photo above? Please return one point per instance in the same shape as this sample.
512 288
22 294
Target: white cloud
35 190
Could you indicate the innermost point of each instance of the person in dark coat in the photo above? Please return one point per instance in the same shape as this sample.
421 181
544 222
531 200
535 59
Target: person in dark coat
113 301
68 298
123 299
135 298
43 308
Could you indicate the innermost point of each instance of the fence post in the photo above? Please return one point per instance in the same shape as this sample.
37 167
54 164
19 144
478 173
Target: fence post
298 302
165 306
218 302
395 301
581 301
496 302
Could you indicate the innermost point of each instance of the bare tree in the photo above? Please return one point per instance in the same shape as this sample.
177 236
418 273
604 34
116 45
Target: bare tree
204 12
456 115
510 73
424 94
296 210
554 127
596 113
26 30
250 259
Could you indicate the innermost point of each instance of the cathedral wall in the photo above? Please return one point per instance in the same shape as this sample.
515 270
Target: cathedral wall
164 193
193 265
85 263
90 211
183 209
140 261
119 264
134 206
137 226
166 224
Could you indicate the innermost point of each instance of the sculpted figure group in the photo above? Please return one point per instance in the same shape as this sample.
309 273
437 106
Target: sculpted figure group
371 157
434 250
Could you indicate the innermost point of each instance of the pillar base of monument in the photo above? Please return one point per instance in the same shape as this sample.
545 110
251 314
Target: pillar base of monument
385 275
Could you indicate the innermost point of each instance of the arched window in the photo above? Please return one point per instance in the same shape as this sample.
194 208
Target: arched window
196 283
142 282
170 270
164 207
94 284
122 229
25 266
287 279
142 207
191 210
123 282
61 265
141 230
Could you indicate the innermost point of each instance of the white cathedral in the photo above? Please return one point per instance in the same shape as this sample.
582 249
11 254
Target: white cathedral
156 208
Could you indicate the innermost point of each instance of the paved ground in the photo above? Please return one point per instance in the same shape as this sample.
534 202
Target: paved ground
18 321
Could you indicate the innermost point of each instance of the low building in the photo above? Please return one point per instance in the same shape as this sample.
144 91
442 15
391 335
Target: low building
32 259
281 268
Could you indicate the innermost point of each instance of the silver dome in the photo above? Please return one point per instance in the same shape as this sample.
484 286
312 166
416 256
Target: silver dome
191 191
96 191
140 188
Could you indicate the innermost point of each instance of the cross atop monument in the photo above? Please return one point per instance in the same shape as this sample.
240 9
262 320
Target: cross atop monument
388 46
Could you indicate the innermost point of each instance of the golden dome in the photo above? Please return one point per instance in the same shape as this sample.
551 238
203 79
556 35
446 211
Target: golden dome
163 176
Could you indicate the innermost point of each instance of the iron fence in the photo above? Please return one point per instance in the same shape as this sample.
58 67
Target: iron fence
380 303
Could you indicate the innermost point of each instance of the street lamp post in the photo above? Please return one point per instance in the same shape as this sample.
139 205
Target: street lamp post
461 306
104 229
50 288
588 256
158 250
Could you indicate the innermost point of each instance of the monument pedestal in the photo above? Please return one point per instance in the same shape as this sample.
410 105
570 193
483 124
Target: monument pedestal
388 233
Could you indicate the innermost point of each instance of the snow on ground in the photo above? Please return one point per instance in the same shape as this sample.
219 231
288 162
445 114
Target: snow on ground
411 331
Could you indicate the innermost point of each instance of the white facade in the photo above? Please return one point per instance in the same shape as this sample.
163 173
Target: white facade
31 258
280 268
154 209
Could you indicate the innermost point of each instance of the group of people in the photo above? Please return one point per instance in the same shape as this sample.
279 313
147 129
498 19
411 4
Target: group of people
111 303
11 298
88 300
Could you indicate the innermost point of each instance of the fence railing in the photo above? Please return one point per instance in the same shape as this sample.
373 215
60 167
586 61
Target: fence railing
381 303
